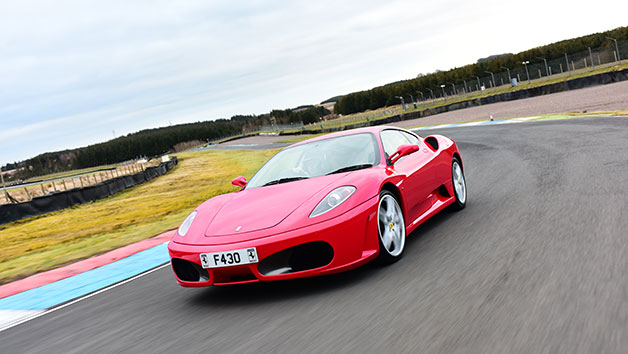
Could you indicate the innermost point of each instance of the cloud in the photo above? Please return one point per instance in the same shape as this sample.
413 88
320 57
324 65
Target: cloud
73 71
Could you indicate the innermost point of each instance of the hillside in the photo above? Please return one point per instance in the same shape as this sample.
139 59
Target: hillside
576 48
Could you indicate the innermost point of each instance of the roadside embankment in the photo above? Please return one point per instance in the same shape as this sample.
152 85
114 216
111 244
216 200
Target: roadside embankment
564 87
66 199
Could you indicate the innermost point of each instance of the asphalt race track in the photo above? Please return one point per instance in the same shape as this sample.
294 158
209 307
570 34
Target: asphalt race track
536 263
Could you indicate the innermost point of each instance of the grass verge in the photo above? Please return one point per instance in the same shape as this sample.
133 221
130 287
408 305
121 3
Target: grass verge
522 86
301 138
551 116
386 112
541 117
48 241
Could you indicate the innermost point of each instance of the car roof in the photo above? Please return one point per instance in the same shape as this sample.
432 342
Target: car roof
375 130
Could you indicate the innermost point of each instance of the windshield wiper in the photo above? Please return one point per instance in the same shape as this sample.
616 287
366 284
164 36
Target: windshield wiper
284 180
351 168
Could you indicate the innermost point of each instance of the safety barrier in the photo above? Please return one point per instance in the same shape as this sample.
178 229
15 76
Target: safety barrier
61 200
574 84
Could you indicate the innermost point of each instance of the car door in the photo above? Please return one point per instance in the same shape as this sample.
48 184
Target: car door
418 168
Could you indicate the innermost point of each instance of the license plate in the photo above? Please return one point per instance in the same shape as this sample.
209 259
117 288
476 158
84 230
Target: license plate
229 258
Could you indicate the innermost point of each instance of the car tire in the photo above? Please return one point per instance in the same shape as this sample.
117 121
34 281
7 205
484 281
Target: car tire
459 185
391 228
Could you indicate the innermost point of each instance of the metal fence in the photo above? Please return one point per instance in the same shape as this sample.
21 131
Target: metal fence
531 70
20 193
79 195
281 127
356 118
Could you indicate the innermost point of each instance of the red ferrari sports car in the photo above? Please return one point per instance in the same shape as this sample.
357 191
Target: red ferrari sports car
321 206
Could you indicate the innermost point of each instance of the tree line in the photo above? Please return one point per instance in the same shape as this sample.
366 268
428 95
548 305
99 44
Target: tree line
152 142
386 95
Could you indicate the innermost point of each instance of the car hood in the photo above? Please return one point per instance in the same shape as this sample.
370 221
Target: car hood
262 208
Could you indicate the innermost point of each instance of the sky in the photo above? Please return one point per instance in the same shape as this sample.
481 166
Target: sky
75 73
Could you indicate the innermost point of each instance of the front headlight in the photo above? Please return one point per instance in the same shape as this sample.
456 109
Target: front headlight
332 200
183 229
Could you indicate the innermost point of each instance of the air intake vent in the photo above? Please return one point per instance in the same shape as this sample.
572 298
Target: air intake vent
303 257
188 271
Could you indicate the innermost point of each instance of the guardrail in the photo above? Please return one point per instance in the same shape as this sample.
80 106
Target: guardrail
64 199
23 192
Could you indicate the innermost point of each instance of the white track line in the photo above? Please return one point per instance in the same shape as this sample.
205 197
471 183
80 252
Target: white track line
473 124
10 316
39 314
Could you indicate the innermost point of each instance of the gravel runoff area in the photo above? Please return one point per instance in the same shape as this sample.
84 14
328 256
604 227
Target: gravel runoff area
611 97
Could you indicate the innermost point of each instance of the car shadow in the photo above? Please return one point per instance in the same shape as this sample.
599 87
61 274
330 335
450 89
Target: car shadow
430 228
275 291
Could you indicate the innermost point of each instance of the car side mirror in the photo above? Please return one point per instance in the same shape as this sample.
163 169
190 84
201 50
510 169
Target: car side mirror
402 150
239 181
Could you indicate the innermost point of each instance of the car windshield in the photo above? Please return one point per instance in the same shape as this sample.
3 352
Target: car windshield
318 158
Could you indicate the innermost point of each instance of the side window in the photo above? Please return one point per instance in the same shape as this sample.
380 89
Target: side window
411 138
392 139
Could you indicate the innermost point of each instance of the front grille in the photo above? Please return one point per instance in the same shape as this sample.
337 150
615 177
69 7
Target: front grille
230 275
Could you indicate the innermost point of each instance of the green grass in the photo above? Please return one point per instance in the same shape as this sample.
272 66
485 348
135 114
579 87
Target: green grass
377 114
48 241
522 86
541 117
301 138
552 116
239 136
380 113
577 115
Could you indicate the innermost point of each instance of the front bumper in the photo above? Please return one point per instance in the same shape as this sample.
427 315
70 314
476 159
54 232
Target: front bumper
352 237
